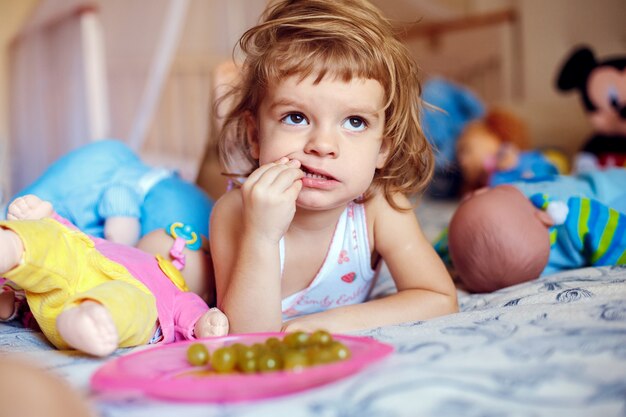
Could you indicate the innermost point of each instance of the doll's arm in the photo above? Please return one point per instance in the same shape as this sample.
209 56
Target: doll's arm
425 289
124 230
120 207
193 319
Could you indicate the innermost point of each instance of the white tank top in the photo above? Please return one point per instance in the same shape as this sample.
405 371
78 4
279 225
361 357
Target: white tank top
346 276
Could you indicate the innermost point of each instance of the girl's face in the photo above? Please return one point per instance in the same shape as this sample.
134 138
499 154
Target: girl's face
334 128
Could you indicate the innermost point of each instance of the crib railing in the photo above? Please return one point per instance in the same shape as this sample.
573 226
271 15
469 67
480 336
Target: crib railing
480 51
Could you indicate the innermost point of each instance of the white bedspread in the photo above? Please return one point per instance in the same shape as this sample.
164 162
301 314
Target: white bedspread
552 347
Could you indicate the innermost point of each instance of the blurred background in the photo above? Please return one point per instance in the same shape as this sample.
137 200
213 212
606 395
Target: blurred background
75 71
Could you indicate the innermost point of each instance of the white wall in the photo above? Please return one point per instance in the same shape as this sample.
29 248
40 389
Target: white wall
550 29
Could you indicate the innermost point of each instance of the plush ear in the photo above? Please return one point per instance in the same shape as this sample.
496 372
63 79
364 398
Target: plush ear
252 135
576 69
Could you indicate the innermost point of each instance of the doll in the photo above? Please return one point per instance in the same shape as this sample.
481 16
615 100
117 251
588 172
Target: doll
499 237
449 108
107 191
602 88
94 295
496 150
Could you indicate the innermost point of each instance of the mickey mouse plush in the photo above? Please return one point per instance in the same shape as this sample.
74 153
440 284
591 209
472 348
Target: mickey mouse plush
602 87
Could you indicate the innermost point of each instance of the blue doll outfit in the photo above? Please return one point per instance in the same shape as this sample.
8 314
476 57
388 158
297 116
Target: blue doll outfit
607 186
107 179
346 276
592 234
531 166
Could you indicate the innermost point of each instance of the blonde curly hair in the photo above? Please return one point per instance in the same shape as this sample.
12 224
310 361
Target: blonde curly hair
342 39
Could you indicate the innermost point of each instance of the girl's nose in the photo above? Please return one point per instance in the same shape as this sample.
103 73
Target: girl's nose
322 142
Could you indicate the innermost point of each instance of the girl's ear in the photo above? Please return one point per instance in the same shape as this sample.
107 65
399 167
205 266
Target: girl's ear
252 134
383 154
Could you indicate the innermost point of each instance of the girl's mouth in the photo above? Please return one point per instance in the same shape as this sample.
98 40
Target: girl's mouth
316 175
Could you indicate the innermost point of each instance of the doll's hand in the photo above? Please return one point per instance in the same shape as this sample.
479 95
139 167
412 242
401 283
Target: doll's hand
212 323
585 162
269 197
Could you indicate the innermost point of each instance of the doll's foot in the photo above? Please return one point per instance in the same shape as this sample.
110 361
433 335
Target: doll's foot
11 250
212 323
89 328
29 207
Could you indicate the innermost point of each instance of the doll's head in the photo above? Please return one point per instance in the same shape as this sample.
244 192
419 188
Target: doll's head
498 238
490 144
602 88
340 40
193 260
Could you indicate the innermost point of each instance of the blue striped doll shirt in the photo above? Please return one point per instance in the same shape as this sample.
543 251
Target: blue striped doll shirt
592 234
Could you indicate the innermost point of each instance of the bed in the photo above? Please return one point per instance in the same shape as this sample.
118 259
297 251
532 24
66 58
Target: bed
555 346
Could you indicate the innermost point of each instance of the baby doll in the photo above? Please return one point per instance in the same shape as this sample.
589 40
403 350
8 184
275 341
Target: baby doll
499 237
453 107
496 150
107 191
95 295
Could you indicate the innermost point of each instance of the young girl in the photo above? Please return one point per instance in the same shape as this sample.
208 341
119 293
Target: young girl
325 122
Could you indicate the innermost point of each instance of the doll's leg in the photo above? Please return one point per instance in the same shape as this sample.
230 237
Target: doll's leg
111 315
29 207
212 323
89 328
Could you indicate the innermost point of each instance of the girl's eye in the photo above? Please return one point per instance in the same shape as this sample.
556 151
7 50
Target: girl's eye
354 123
294 119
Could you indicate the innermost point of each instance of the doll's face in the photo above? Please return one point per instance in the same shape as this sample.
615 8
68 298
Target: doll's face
476 147
606 88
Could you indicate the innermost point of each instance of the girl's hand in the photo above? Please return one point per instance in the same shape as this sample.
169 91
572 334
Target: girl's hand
269 198
305 324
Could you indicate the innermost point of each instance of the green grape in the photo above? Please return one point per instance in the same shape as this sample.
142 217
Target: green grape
260 349
238 347
224 359
296 339
247 359
339 351
269 362
295 360
320 337
247 365
273 342
319 355
297 351
197 354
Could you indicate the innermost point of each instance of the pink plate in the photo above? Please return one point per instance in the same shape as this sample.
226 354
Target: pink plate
163 372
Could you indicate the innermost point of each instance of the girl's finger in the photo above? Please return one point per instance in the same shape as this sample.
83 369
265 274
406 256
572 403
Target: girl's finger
257 173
